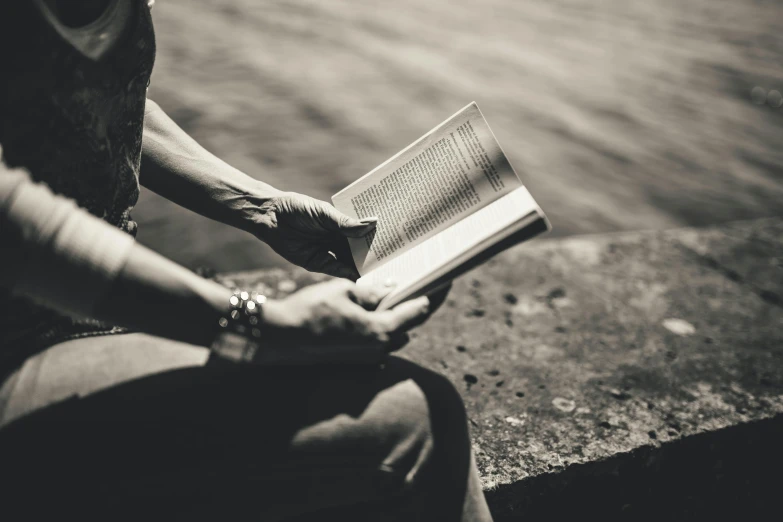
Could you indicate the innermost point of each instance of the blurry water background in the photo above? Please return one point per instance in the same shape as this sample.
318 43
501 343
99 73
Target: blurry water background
617 114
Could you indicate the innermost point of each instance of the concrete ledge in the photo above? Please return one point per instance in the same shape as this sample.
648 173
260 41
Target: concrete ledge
608 372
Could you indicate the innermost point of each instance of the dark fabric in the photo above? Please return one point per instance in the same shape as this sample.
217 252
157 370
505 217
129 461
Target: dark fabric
227 442
75 124
78 14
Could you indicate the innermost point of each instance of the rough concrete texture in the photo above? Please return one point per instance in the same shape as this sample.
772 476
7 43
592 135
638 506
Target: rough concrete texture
577 351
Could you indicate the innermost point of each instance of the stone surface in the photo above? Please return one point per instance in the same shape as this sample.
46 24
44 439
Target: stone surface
576 352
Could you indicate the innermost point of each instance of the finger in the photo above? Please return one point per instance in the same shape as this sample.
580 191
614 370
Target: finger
346 225
329 265
339 245
406 315
369 296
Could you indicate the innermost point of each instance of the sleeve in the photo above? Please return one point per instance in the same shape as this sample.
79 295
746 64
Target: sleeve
54 252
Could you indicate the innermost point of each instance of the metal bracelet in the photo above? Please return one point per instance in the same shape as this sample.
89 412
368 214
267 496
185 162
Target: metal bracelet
240 329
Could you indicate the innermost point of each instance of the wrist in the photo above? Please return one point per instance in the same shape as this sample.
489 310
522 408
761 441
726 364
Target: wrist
239 327
280 321
263 192
257 210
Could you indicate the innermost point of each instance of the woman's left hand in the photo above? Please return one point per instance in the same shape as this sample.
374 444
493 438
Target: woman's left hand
311 233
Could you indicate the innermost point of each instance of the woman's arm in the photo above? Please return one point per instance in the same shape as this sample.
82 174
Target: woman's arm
66 259
301 229
176 167
70 261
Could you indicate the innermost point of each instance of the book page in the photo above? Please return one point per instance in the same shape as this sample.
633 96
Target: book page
449 173
456 244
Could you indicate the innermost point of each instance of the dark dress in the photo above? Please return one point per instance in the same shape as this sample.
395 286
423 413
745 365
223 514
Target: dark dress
75 124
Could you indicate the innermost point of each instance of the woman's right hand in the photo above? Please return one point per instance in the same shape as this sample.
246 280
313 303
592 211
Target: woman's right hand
336 322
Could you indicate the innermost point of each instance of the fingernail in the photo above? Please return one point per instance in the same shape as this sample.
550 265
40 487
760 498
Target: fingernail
368 220
424 302
389 282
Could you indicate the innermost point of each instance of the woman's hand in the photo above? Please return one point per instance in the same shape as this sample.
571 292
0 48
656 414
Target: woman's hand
311 233
335 322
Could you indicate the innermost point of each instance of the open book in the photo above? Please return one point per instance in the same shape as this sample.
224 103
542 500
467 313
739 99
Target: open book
445 203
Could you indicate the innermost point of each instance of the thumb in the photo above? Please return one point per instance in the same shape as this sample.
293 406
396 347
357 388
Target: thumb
351 227
408 314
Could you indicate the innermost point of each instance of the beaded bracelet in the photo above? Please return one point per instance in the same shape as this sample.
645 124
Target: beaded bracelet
240 329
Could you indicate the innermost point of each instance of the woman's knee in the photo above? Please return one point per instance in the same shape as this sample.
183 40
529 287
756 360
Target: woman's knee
442 400
425 416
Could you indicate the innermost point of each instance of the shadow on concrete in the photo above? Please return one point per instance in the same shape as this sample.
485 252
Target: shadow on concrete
728 473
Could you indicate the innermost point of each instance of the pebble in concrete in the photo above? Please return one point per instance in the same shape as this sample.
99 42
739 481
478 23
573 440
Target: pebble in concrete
679 326
470 379
564 405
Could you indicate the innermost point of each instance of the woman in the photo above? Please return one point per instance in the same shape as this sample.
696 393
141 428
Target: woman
204 403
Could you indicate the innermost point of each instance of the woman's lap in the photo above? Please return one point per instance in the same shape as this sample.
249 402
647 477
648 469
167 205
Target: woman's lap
137 417
83 366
